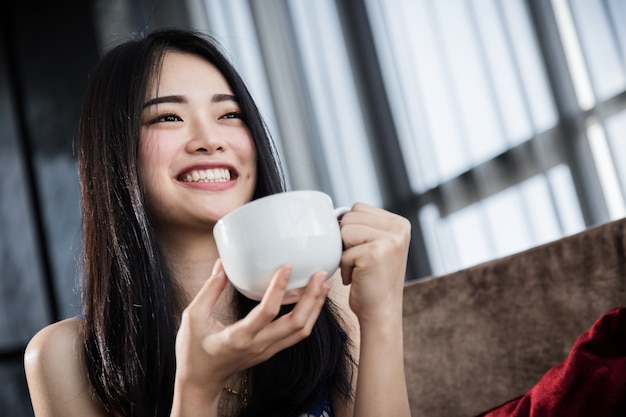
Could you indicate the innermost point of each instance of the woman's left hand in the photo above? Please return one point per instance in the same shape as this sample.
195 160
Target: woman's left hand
374 261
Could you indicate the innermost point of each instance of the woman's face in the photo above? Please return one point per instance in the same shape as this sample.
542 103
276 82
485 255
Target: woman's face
197 159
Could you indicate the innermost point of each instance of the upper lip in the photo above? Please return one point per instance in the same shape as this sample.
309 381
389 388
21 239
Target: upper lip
208 165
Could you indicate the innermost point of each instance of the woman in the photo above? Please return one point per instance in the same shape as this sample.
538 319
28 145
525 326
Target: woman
170 141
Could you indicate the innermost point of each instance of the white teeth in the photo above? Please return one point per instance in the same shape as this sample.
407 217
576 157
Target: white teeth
208 175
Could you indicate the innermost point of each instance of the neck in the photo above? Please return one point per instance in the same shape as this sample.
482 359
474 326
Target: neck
190 257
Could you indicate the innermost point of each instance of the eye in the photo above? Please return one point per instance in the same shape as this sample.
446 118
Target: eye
166 118
232 115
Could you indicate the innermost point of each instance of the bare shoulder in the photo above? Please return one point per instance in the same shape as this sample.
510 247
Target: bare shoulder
55 348
55 372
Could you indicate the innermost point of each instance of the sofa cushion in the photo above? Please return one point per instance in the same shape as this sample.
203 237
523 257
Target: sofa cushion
481 336
590 382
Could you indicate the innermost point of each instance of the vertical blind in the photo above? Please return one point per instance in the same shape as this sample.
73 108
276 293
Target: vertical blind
498 157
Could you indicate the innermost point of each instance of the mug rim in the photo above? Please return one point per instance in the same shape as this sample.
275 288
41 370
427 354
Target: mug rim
253 203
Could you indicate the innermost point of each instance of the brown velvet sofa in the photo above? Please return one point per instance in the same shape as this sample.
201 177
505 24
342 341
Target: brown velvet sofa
483 335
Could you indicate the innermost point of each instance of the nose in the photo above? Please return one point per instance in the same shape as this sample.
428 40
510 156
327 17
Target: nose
205 137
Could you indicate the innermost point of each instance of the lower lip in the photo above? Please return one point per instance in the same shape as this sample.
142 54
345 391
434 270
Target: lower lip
212 186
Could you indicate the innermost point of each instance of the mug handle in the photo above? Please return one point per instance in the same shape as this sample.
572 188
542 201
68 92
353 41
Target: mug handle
340 211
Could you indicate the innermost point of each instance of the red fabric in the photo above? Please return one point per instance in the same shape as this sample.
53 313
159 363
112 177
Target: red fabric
590 382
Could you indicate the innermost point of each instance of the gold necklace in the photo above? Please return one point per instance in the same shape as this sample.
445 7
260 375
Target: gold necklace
243 394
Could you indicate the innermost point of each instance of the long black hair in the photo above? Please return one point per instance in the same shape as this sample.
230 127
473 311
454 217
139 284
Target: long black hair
130 302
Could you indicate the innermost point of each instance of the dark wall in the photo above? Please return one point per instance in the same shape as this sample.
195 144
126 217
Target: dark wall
46 52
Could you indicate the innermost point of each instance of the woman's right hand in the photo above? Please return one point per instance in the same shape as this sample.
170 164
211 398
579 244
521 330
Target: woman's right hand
208 352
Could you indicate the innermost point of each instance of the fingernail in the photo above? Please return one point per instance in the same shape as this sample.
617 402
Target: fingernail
217 267
325 289
322 279
287 270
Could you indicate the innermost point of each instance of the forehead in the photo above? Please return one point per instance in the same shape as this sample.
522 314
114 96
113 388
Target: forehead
187 73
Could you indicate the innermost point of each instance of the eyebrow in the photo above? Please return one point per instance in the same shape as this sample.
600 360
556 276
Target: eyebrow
217 98
164 99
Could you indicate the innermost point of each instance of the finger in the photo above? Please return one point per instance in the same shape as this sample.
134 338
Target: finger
373 251
363 228
354 234
363 256
283 332
267 310
296 325
243 334
364 209
346 272
314 296
210 290
372 217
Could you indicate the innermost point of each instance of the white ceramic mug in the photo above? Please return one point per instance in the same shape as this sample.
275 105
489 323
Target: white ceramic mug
296 228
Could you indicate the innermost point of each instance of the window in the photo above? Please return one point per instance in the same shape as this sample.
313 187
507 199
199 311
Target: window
480 125
508 116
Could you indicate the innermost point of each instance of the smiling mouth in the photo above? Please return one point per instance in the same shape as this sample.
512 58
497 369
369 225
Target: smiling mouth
207 175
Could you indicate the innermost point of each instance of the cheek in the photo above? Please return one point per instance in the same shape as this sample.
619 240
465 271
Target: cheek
250 154
156 152
252 173
149 166
253 162
145 159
